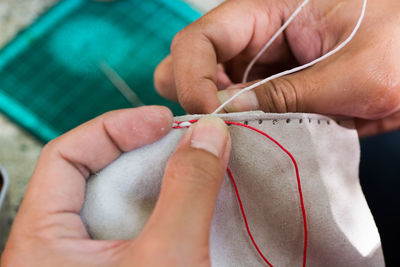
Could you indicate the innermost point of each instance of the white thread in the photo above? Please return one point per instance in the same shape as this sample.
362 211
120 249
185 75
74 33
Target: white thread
274 37
182 124
299 68
185 124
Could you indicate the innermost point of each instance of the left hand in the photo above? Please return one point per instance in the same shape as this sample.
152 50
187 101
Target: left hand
48 230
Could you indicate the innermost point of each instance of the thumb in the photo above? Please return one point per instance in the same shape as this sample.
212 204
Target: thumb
326 88
280 95
193 176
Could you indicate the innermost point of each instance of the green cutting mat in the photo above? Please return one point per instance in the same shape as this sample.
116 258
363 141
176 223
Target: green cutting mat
50 75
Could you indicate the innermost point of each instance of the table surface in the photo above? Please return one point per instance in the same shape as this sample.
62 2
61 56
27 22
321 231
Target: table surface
19 150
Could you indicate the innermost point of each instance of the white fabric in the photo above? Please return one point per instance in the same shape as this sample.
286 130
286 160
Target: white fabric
120 198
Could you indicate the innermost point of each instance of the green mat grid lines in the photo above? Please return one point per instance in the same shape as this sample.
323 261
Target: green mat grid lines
50 75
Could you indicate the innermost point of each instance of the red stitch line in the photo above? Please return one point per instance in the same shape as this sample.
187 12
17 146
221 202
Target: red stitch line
303 210
245 219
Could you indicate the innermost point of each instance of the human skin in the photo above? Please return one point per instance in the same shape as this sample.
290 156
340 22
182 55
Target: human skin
361 81
48 230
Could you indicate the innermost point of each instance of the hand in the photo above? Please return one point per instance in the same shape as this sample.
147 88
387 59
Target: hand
361 81
49 232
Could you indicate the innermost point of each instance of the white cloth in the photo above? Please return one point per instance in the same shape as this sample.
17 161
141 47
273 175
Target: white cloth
342 232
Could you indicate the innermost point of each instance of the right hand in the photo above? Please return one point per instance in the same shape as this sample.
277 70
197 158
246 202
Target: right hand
208 59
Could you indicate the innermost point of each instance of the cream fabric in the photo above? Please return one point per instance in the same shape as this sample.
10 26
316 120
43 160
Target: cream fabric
120 198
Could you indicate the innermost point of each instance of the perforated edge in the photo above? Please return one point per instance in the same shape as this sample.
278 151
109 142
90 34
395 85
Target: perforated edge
259 116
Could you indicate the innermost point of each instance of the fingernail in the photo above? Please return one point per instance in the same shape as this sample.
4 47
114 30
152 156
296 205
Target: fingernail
210 134
244 102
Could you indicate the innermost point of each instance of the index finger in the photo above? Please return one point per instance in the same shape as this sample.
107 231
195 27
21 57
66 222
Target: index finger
59 180
216 37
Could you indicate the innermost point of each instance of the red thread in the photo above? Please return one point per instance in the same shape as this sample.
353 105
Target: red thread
303 210
245 219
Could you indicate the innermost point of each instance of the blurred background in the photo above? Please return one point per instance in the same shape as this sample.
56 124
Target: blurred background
65 62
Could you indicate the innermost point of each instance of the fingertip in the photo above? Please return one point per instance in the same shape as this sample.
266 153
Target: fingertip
136 127
210 134
161 115
159 118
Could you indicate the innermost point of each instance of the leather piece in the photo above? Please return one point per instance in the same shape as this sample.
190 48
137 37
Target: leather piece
120 198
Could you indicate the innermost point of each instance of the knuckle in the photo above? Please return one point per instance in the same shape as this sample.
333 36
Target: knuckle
382 98
185 35
382 102
380 94
278 95
178 39
51 146
185 99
